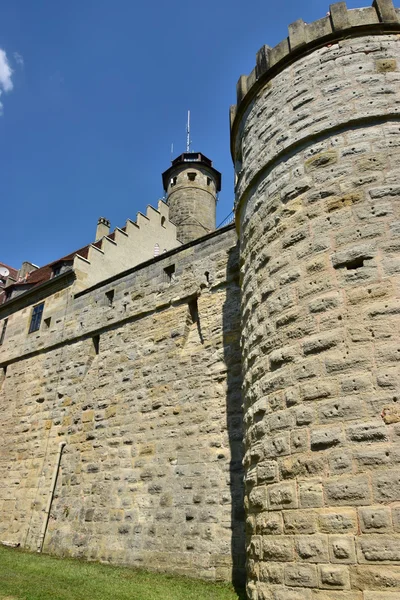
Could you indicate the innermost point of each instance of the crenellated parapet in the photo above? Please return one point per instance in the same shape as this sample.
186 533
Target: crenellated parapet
312 84
340 22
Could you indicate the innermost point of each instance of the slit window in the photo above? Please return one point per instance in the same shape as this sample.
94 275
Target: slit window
209 180
173 181
3 375
194 310
36 317
169 273
192 176
3 331
96 344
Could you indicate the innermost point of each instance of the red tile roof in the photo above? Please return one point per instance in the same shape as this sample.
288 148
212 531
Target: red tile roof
45 273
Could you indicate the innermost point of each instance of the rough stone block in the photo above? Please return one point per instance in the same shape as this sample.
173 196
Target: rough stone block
311 494
348 491
386 65
291 594
279 52
335 595
282 495
300 521
386 11
340 521
340 461
269 523
297 34
370 577
339 16
381 595
340 409
241 88
327 437
375 520
363 16
312 548
300 575
263 60
321 342
299 442
378 549
334 577
278 548
367 433
318 389
342 549
387 486
304 415
267 472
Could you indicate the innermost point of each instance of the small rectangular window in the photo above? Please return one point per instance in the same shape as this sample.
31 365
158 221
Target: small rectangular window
110 297
36 317
168 273
3 331
208 180
191 176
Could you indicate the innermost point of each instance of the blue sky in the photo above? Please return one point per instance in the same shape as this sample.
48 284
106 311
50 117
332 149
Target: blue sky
100 90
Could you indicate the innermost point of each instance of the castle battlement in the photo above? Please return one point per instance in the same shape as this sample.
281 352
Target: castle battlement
339 24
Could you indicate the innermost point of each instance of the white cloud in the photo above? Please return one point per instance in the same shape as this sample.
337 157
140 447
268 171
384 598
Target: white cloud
19 59
6 85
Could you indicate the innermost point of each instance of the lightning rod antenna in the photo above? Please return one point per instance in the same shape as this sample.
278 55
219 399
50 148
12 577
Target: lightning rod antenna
188 140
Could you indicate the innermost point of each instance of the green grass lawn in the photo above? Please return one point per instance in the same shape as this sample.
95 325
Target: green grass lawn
25 576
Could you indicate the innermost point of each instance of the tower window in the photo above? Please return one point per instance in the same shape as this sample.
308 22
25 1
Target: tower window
3 331
192 176
209 180
36 317
173 181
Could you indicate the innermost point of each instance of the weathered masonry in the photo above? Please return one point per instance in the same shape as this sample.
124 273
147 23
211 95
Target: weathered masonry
128 409
139 376
316 146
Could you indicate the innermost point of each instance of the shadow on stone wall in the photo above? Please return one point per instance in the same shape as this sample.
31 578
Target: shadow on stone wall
234 417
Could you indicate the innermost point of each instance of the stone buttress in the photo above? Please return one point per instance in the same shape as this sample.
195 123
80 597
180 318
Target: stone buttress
316 146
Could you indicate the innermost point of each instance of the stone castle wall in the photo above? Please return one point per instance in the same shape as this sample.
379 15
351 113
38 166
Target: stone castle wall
145 390
316 143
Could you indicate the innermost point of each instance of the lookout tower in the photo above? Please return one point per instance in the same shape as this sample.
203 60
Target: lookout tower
191 184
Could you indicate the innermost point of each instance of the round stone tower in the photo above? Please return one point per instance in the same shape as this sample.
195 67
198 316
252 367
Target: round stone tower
191 184
316 147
